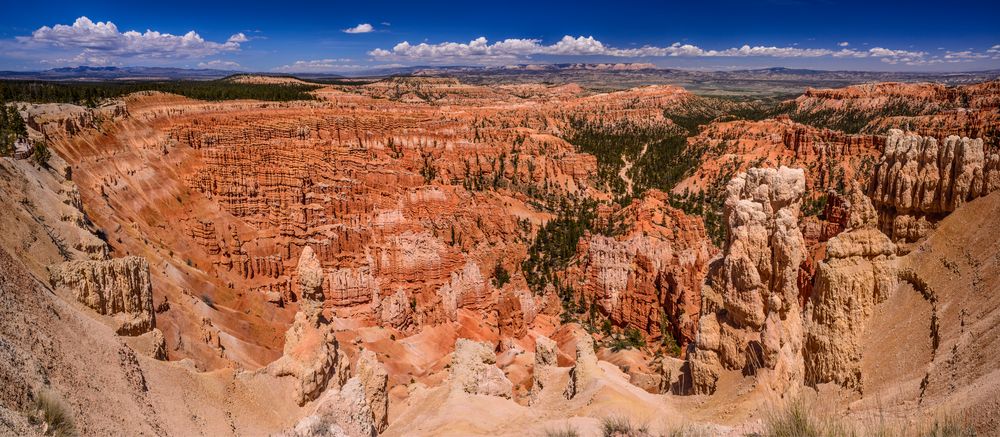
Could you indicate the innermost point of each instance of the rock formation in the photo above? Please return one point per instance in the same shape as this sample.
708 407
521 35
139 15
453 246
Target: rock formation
919 180
120 288
586 370
313 357
339 413
858 273
545 360
374 378
473 370
648 277
831 158
310 273
751 318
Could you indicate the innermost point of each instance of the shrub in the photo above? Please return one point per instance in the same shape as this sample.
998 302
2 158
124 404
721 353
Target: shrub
53 415
568 431
41 154
621 426
631 339
797 419
500 276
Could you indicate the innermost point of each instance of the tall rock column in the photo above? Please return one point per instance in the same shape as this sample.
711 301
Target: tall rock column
310 273
858 273
751 318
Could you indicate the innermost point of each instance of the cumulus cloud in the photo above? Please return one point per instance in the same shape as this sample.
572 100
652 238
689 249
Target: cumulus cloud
219 64
361 28
843 44
328 65
509 49
103 40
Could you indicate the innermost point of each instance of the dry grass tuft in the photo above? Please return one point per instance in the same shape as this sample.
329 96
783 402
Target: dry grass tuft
51 413
568 431
796 419
621 426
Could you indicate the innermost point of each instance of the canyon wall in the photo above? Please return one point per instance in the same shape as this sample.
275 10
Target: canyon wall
919 180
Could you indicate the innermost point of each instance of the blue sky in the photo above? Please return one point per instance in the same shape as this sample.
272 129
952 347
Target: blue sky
333 36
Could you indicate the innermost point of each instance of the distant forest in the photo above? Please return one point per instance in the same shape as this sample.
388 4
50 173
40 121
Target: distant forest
92 93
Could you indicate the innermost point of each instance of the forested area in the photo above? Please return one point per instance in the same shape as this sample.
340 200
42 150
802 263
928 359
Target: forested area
12 128
92 94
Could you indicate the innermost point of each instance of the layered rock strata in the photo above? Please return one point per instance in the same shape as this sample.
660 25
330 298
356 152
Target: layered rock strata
649 276
919 180
120 288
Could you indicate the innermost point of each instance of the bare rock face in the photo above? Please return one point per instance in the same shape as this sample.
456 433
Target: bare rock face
652 272
545 360
310 273
586 370
395 310
374 378
120 288
511 314
339 413
313 356
752 318
919 180
858 273
466 289
474 370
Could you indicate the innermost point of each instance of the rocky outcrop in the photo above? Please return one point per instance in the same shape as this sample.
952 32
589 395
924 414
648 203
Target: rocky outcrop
339 413
832 158
312 355
648 277
466 289
858 273
586 370
374 378
120 288
474 371
310 273
918 181
545 361
752 319
514 313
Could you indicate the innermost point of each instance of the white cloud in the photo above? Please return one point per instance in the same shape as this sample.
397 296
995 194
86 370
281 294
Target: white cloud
843 44
480 49
103 40
325 66
361 28
965 55
219 64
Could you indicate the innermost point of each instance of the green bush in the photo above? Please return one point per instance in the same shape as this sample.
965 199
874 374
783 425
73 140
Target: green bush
631 339
500 276
41 154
